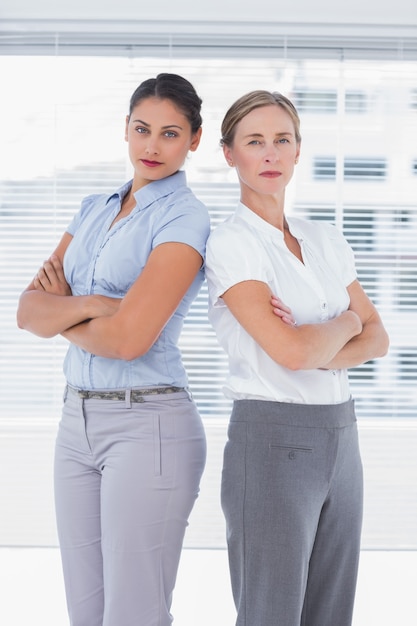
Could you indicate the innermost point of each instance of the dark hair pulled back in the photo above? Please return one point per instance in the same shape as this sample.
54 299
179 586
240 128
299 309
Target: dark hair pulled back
174 88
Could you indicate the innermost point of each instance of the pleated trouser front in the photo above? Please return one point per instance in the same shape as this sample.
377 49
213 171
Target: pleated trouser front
292 492
126 478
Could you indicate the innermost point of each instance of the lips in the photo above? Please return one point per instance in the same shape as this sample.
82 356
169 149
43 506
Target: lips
270 174
150 163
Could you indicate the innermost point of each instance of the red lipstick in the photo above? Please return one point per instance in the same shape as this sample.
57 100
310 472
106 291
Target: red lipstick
150 163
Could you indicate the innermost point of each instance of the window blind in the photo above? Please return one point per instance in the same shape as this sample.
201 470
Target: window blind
62 128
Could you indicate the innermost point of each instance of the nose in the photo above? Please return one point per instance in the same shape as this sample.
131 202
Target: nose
152 146
271 153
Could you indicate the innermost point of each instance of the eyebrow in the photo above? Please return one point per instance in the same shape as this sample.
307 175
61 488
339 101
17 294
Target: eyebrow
285 134
163 127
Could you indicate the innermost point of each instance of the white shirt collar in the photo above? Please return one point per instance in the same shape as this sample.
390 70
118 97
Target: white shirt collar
252 218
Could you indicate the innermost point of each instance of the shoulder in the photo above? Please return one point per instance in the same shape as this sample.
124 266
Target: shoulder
90 205
174 197
329 243
230 232
314 228
184 201
234 250
181 218
318 232
90 202
184 210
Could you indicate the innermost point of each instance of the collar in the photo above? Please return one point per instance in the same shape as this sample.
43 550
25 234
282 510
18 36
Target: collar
153 191
259 223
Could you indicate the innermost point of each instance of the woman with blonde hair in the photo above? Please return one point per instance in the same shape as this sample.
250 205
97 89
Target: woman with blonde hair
292 473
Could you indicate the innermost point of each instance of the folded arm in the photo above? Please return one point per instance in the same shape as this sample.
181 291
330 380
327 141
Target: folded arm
139 320
309 346
47 307
372 342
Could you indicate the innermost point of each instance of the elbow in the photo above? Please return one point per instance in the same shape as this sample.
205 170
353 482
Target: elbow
291 363
127 351
127 344
21 318
24 324
126 354
20 321
297 360
383 345
300 356
299 364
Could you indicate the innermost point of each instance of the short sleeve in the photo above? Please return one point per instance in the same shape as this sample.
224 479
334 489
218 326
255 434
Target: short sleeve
233 256
185 221
86 206
344 254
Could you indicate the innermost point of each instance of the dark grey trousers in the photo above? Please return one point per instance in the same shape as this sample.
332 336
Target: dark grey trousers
126 478
292 492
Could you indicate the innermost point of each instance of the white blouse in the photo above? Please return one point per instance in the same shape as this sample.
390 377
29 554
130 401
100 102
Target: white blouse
246 247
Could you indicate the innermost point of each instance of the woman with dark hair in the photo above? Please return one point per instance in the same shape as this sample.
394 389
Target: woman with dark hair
131 447
292 473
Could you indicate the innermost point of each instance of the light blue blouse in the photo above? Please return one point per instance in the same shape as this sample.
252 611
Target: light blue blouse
108 261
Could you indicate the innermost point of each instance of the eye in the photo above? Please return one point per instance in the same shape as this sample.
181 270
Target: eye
283 140
170 133
254 142
141 129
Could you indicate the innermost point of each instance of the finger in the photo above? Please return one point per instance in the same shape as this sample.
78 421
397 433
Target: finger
49 271
43 276
288 319
282 312
37 284
57 265
279 304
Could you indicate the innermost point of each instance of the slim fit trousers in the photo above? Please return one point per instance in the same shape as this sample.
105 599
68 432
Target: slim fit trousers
292 497
126 478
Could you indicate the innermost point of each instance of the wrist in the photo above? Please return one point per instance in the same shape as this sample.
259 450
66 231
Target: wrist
355 322
89 307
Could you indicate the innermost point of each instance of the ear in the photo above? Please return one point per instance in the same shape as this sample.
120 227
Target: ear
195 140
228 155
126 127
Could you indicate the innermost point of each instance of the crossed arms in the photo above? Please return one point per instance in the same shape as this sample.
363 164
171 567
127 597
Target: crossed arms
114 328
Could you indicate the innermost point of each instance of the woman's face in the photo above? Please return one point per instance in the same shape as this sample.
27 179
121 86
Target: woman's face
159 137
264 150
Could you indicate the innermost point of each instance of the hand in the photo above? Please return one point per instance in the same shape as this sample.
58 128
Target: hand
283 311
50 278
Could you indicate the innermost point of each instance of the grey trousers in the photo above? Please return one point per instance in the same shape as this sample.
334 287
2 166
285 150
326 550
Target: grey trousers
292 491
126 478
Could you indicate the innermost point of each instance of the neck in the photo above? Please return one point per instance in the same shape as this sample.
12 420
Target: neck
269 208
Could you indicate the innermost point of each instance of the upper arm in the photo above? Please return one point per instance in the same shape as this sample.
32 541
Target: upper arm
250 303
154 297
361 304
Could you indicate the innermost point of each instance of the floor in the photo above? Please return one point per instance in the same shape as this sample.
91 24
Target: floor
32 590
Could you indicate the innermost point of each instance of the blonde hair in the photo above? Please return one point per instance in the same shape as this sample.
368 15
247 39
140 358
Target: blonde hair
255 100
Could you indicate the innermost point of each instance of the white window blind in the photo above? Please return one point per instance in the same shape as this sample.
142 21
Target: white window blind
62 129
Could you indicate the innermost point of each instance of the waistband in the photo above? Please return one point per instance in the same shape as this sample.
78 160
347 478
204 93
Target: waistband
124 395
293 414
